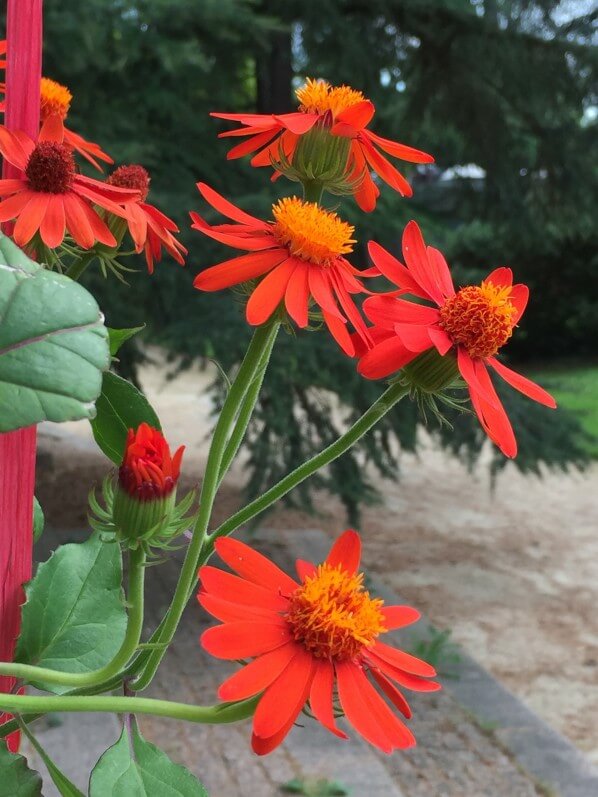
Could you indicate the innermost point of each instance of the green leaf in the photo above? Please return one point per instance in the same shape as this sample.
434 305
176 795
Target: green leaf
140 769
119 408
118 336
62 783
16 779
53 344
38 520
74 619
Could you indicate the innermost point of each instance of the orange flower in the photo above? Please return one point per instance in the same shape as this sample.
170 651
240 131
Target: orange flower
302 255
305 636
150 229
475 321
148 470
55 100
344 112
52 197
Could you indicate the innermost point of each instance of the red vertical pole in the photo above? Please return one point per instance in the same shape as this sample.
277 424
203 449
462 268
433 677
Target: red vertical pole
17 449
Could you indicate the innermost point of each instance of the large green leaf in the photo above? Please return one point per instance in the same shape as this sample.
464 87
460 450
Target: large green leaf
74 619
53 344
144 771
16 779
119 408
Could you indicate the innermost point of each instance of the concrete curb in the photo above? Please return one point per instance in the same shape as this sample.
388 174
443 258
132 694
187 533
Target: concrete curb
550 759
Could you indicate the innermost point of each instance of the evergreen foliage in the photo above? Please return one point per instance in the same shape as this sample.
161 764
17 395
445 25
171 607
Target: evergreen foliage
508 85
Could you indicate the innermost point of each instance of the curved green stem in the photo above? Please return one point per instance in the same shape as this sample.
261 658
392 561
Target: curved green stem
129 645
77 268
378 409
312 191
251 370
223 712
245 413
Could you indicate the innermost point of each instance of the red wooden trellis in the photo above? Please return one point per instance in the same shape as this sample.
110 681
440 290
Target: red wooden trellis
17 449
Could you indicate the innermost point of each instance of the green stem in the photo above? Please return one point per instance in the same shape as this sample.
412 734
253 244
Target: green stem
77 268
251 370
129 645
245 413
312 191
223 712
378 409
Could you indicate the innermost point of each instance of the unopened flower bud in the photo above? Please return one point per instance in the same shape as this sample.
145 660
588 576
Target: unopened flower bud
145 493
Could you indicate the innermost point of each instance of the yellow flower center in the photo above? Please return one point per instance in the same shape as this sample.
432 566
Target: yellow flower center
333 616
318 96
479 318
55 100
310 232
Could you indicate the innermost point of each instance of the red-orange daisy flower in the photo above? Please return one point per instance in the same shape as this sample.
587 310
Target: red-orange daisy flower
345 112
150 229
302 255
52 197
148 469
55 100
306 637
476 321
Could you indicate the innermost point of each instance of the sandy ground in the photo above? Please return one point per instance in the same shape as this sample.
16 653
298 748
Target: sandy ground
512 572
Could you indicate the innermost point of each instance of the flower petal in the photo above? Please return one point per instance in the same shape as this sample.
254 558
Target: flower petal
392 693
232 588
395 271
401 151
416 338
258 675
53 224
296 296
522 384
469 372
253 566
232 612
399 616
321 696
385 358
298 123
269 293
251 144
350 680
30 218
77 222
413 682
346 552
416 257
242 640
321 290
493 417
11 207
222 205
519 297
404 661
356 116
501 277
280 699
440 339
238 270
304 569
339 332
385 169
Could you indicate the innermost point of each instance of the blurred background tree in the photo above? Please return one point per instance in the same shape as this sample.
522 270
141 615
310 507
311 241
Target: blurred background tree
502 92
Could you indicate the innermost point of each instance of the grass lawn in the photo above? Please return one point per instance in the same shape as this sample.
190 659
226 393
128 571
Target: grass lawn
576 388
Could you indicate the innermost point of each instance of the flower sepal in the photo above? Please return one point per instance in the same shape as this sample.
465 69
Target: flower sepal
432 372
134 523
321 161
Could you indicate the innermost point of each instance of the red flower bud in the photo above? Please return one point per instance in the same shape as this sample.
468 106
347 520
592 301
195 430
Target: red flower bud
148 471
144 499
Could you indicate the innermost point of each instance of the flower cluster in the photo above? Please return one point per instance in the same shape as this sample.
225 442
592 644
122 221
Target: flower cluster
297 267
52 201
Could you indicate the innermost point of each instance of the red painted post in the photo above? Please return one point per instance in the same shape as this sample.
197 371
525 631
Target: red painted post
17 449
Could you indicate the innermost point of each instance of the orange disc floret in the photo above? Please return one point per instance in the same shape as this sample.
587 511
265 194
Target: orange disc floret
131 176
50 168
333 616
318 96
480 318
310 232
55 99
